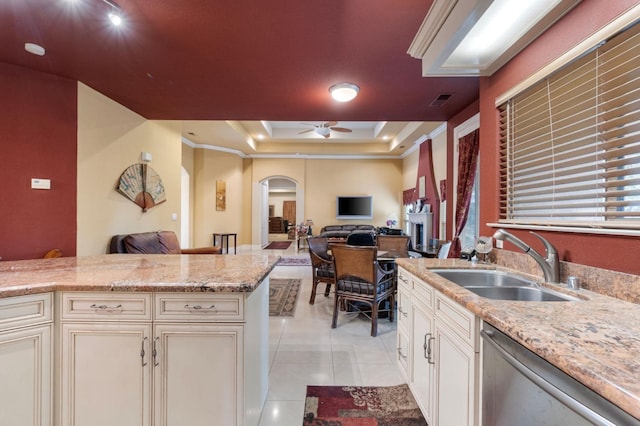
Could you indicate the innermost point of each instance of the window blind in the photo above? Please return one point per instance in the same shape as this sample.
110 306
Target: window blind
570 144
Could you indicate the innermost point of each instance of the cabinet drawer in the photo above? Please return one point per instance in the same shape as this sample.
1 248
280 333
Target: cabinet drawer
404 305
462 322
423 293
199 307
402 354
20 311
105 306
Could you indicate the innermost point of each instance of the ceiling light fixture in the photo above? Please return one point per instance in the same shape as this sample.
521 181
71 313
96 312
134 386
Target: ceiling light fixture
344 92
115 16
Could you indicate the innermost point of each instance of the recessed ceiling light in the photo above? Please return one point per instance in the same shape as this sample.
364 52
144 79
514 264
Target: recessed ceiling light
344 92
115 19
260 136
35 49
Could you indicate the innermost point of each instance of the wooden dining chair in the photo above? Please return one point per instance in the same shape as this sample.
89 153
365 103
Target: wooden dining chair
393 242
359 278
322 264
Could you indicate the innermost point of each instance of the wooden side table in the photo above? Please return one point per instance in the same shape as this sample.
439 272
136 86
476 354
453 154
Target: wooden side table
225 238
303 238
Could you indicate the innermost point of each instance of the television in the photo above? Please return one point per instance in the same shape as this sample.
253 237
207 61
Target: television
354 207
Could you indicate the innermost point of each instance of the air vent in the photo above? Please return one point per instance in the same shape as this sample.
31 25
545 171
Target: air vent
441 99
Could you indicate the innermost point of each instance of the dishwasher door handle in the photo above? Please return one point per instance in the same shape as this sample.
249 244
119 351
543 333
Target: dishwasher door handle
567 400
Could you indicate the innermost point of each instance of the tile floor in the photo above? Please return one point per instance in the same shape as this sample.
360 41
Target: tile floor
304 350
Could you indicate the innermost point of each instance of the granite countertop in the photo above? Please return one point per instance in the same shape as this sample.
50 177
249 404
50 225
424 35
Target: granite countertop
131 272
596 340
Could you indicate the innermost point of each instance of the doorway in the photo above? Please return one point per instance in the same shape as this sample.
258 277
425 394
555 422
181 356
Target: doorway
279 199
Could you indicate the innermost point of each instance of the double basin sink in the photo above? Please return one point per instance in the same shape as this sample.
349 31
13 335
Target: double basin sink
501 285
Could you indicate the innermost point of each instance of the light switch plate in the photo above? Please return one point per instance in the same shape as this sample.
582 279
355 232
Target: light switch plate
40 183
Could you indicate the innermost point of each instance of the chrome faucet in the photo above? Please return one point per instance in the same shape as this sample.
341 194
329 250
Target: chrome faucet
550 266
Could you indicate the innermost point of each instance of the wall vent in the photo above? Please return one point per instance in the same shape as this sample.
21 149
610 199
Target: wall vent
441 99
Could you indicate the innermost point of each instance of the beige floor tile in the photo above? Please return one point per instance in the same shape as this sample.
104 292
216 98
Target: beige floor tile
282 413
304 350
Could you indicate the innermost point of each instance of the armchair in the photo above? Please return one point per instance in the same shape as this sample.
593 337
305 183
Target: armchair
322 264
360 278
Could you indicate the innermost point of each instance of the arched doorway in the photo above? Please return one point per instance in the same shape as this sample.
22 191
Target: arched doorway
280 196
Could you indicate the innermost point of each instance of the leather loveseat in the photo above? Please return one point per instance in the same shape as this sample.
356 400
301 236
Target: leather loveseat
158 242
343 231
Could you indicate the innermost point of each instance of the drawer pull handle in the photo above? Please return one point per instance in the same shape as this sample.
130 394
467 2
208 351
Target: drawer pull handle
199 307
106 307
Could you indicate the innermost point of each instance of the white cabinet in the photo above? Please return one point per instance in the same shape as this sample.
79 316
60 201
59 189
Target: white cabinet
198 374
163 359
26 360
443 355
106 374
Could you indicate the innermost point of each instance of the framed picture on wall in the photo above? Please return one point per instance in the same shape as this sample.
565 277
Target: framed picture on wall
421 186
221 195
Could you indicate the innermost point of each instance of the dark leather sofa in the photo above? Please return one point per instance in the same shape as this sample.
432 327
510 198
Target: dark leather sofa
158 242
343 231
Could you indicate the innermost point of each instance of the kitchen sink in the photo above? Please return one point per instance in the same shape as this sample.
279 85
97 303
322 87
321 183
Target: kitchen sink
522 294
501 285
483 278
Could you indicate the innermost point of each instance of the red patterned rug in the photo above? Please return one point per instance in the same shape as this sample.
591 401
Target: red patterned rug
295 261
361 406
278 245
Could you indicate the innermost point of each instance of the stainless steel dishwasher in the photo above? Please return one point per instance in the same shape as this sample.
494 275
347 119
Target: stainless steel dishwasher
520 388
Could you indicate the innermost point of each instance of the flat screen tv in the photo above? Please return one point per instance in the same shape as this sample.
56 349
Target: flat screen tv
354 207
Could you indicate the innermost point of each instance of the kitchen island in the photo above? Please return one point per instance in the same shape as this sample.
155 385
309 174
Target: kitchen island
134 339
595 340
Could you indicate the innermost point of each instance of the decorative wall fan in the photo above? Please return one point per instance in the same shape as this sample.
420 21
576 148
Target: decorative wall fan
325 129
142 185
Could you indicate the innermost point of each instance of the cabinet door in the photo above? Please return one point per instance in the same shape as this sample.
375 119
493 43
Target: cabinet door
456 367
106 374
422 359
25 376
198 375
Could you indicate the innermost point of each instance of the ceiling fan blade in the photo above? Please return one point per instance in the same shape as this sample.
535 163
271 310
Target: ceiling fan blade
306 131
330 123
341 129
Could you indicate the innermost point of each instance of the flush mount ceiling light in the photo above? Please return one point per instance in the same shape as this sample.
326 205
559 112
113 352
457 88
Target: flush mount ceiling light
344 92
477 37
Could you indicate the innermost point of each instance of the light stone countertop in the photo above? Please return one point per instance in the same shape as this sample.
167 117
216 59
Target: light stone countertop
595 340
131 272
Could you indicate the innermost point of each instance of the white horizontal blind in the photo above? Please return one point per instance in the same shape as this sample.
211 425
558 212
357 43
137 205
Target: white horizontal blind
570 145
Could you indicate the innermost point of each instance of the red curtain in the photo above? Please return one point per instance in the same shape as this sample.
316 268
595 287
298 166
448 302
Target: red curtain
468 147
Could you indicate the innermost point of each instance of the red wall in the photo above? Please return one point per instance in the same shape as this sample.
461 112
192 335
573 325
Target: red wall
610 252
38 132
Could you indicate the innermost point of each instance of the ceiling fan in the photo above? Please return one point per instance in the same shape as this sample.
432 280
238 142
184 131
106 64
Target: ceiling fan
325 129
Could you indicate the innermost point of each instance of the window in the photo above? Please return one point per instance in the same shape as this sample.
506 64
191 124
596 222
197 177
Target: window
570 145
469 234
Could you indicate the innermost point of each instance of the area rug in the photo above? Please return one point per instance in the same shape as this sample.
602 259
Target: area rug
278 245
361 406
283 296
295 261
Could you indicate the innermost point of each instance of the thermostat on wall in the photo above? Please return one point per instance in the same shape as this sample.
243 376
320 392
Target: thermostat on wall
40 183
